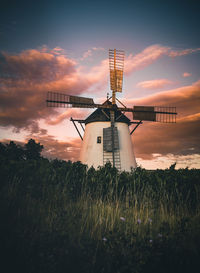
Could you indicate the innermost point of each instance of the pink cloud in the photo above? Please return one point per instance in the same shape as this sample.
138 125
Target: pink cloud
36 65
144 58
71 112
186 74
154 84
181 138
90 52
87 54
26 77
66 150
186 99
150 54
177 53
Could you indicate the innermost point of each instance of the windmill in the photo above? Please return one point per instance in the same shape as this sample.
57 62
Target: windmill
107 137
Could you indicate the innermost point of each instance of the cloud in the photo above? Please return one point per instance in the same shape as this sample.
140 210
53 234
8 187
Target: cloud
154 84
26 77
186 74
177 53
186 99
66 150
161 162
144 58
150 54
87 54
78 113
90 52
181 138
53 148
34 65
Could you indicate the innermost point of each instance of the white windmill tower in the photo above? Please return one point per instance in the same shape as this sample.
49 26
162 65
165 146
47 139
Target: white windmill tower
106 134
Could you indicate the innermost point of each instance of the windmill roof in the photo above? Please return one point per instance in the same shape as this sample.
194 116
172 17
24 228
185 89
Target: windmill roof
99 115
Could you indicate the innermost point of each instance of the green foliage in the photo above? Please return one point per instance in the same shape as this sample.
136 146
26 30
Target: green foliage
59 216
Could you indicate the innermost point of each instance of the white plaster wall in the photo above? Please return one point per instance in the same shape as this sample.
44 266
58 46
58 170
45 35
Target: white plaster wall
92 152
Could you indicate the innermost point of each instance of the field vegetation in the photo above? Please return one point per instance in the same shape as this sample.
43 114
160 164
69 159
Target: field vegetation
59 216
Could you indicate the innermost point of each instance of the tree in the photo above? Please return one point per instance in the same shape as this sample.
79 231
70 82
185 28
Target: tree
11 151
2 150
33 150
14 151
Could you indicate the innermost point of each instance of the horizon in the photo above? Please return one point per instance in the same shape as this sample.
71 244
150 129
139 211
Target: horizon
22 145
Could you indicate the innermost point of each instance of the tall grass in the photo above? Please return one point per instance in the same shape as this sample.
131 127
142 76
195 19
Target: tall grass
56 215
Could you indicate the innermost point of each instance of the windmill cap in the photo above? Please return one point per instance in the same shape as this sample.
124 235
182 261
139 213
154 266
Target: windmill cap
98 115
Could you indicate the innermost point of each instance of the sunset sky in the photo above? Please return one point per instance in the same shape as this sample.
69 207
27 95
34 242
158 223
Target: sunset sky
63 46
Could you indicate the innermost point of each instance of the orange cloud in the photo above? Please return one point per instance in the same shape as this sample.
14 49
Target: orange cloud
25 78
36 65
71 112
186 74
161 162
66 150
154 84
186 99
181 138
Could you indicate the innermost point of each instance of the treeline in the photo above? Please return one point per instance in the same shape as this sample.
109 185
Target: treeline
13 151
26 165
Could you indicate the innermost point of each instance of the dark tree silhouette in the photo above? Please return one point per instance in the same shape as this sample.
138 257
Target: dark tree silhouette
2 150
33 150
11 151
14 151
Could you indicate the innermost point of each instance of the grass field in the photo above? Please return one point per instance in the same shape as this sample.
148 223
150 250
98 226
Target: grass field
59 216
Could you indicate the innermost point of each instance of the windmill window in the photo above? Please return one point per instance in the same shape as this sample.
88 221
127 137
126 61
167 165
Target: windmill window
99 139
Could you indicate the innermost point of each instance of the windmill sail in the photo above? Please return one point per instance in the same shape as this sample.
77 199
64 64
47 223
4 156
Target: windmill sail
116 63
155 113
144 113
67 101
